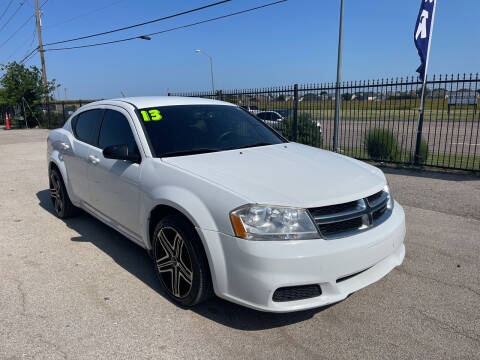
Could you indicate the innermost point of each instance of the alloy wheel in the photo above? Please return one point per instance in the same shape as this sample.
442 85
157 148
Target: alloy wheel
173 262
56 193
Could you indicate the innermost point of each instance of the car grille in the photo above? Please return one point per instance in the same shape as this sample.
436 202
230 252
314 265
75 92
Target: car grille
293 293
341 220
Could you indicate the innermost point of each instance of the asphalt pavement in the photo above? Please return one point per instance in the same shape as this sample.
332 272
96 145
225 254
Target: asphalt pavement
76 289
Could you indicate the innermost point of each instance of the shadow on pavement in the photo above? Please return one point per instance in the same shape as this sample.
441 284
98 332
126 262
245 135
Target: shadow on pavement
135 260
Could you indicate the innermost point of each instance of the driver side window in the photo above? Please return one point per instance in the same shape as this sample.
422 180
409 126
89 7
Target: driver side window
116 130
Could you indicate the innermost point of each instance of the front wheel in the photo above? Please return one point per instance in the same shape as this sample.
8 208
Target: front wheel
180 261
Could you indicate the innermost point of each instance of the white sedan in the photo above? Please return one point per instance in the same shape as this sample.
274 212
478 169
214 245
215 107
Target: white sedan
224 205
272 118
275 120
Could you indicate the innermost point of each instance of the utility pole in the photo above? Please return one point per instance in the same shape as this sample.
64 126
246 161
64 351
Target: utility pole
336 146
40 43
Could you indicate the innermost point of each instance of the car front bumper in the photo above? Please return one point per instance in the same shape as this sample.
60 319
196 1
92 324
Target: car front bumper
248 272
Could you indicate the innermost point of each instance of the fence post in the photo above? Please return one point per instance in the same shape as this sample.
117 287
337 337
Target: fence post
63 112
295 112
220 95
169 94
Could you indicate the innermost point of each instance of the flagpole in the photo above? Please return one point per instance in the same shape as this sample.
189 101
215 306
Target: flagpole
424 85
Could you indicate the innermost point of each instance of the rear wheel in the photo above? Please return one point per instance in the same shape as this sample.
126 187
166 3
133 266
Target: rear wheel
64 208
180 261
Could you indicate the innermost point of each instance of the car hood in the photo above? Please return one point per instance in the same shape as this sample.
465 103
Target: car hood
287 174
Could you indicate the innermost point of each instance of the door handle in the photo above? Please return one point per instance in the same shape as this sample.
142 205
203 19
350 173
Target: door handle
64 146
93 159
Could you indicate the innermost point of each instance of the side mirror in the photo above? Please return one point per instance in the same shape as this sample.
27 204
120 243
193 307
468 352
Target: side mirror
120 152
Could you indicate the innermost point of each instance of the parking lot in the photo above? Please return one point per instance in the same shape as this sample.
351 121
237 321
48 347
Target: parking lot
77 289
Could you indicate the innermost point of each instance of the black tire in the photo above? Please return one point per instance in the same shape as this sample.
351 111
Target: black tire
178 254
62 205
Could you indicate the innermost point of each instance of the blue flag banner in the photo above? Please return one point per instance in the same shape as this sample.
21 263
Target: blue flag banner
423 33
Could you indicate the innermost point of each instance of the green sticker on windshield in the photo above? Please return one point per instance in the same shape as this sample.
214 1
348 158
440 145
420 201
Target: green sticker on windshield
151 115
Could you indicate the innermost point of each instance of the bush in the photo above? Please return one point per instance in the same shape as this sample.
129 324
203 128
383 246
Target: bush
422 155
381 144
308 132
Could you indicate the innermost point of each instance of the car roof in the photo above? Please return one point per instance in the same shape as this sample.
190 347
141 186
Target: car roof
154 101
268 111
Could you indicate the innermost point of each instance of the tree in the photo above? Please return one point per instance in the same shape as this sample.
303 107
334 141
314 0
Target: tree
24 84
230 98
427 91
308 131
310 97
3 95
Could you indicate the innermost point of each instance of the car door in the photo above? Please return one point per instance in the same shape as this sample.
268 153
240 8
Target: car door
85 128
114 184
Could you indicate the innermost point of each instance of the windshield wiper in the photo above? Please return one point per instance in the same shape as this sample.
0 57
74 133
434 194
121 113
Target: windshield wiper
189 152
253 145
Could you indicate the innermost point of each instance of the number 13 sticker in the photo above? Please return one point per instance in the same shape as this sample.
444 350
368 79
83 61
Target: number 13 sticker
153 114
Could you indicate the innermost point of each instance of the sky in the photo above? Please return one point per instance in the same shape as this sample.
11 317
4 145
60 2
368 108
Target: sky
293 42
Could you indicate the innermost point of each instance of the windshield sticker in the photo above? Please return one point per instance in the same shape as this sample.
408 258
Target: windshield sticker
151 115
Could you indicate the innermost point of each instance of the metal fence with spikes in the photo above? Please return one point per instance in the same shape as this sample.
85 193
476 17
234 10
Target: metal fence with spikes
378 118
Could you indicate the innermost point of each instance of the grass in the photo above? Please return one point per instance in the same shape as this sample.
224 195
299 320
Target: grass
397 110
395 115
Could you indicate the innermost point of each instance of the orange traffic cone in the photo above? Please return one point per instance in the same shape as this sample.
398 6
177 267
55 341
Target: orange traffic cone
7 122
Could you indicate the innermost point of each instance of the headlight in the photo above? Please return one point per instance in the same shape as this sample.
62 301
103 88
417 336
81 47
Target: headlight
262 222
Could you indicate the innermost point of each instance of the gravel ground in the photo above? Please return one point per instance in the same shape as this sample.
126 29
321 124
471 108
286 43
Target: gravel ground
77 289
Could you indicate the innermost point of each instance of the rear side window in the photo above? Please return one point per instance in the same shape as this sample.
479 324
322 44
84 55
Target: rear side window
116 131
86 126
266 116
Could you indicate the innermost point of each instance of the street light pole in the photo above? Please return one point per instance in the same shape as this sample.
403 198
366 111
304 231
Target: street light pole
211 67
336 146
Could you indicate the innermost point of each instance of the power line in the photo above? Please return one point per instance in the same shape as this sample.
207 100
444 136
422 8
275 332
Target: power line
83 15
171 29
6 9
31 42
21 27
27 57
13 15
141 24
24 60
16 31
23 44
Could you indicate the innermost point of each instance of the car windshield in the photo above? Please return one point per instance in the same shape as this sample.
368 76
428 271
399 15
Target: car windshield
194 129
